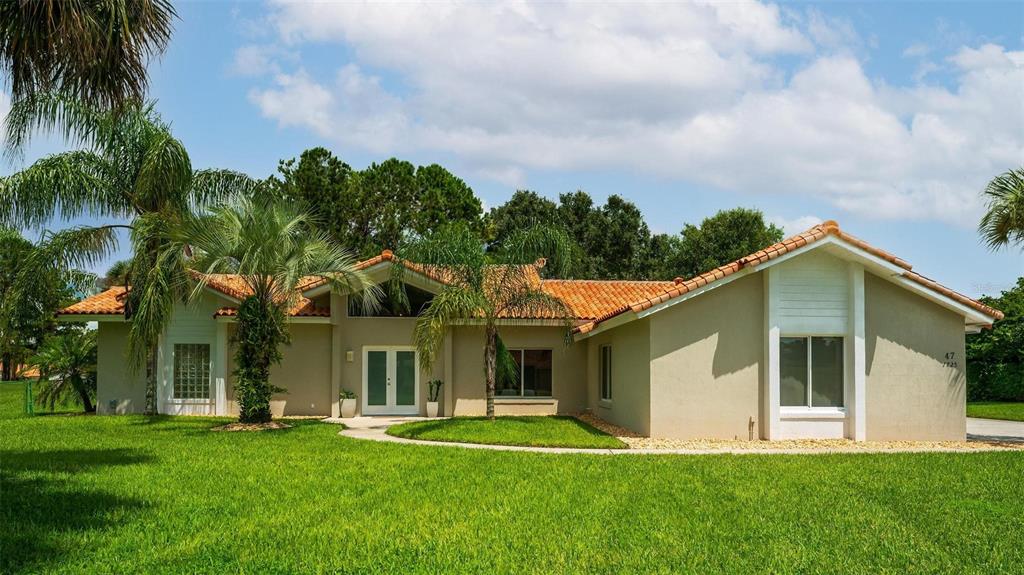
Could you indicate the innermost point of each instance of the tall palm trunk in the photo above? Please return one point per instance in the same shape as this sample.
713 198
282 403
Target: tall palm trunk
79 385
490 366
151 380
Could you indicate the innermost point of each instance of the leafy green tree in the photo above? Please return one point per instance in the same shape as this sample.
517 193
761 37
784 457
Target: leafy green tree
486 285
995 357
33 286
1003 223
373 209
662 250
274 247
722 238
94 51
320 181
523 210
67 369
131 173
622 246
442 199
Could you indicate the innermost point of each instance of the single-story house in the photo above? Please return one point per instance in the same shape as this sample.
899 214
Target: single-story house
818 336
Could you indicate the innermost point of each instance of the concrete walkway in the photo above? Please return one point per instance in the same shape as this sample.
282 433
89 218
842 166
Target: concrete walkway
374 429
979 429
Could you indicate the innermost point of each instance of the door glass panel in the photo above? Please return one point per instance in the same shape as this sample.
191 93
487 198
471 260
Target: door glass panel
376 378
405 376
826 372
793 371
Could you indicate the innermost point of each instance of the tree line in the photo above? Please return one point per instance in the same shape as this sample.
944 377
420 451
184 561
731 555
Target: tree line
386 205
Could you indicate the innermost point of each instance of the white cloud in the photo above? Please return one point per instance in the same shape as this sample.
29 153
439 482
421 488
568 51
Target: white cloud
686 91
794 226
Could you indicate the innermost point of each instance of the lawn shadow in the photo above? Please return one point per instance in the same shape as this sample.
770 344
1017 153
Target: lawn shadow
39 508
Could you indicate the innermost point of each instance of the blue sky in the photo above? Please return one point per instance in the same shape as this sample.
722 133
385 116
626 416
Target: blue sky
888 117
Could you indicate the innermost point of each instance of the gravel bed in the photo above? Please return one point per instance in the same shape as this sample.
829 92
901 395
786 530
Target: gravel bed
637 441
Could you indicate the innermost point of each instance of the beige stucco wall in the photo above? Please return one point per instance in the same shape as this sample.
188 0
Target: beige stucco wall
115 381
707 357
630 406
304 372
356 332
911 393
567 380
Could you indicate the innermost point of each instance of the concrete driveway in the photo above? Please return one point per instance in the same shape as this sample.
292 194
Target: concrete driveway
995 430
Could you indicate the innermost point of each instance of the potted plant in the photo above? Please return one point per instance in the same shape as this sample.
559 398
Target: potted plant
433 391
348 403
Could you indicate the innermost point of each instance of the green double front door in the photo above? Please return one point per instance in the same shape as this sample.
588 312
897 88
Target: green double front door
390 381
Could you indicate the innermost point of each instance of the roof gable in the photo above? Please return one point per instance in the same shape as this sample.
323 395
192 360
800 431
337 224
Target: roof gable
818 236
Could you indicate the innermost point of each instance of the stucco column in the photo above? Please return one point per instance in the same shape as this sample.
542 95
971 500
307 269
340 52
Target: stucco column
336 351
773 424
448 391
220 369
857 410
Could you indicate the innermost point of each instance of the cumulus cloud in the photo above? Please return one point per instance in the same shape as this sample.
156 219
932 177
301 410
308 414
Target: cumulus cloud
693 92
793 226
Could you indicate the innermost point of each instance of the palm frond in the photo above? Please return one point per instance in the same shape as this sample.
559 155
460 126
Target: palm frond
211 187
77 247
68 184
93 51
450 305
1003 223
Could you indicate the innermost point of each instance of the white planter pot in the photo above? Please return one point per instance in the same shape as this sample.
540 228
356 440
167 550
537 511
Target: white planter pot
432 409
348 408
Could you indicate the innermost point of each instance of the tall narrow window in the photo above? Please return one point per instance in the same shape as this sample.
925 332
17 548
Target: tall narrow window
606 372
811 371
191 371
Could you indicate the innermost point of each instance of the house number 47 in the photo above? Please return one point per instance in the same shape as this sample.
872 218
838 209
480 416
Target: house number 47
950 359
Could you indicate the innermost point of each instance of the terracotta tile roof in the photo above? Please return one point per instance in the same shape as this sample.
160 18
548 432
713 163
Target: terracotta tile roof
591 301
812 235
108 302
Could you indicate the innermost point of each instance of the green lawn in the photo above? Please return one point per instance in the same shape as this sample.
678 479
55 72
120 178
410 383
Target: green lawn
88 494
996 410
533 431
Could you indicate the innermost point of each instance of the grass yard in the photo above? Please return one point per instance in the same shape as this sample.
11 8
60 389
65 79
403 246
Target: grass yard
88 494
536 431
996 410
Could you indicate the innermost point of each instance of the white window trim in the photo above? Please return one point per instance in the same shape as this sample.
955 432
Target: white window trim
192 401
808 410
522 380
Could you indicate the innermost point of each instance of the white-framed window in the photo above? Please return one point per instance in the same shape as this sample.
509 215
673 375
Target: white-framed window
534 371
811 372
606 372
191 371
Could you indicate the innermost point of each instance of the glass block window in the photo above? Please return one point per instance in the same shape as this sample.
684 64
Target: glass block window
191 371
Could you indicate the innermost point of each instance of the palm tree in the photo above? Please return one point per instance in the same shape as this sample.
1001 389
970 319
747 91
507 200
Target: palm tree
486 286
132 173
1003 223
274 247
67 368
95 51
117 274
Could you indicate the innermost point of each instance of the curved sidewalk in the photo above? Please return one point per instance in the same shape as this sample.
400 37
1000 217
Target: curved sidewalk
375 429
